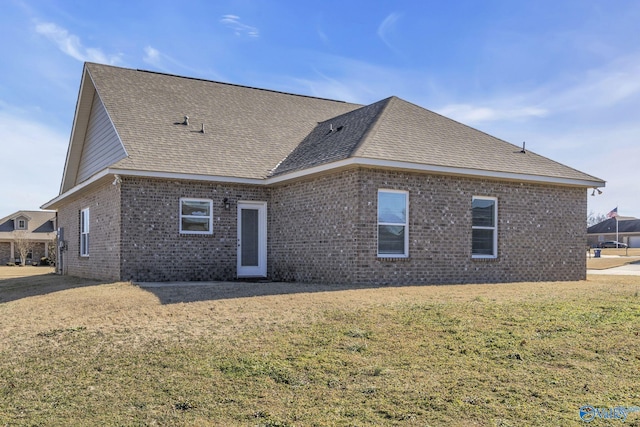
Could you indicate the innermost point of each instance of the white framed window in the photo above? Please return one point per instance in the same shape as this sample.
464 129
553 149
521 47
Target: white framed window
196 216
84 232
484 233
22 224
393 224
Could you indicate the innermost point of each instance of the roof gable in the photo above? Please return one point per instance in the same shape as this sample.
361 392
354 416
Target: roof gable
155 124
102 146
332 140
36 222
247 131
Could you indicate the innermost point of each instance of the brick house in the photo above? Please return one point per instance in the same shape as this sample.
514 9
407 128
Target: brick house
170 178
623 229
35 227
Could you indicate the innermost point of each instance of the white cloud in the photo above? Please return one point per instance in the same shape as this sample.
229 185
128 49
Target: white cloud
71 45
152 55
323 36
32 175
168 64
356 81
239 29
600 87
387 27
596 91
467 113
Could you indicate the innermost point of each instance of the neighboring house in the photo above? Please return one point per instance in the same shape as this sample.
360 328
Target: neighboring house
36 227
626 230
170 178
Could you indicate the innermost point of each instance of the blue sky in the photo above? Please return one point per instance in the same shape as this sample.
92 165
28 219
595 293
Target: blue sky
564 76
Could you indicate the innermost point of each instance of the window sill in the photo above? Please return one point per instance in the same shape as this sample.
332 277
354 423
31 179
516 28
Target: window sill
484 258
392 259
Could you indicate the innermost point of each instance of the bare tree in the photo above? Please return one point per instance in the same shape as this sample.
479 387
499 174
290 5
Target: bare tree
594 218
23 245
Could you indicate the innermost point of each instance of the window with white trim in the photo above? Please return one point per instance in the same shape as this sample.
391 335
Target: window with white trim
196 216
484 233
22 224
393 224
84 232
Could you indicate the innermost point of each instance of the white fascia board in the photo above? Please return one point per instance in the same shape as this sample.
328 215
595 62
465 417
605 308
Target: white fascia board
149 174
185 176
75 189
446 170
351 162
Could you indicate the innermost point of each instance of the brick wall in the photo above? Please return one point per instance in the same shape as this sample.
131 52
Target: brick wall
153 248
313 229
325 229
5 253
37 251
37 248
541 231
103 261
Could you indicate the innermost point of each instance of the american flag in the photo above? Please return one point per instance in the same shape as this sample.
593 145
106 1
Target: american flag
613 213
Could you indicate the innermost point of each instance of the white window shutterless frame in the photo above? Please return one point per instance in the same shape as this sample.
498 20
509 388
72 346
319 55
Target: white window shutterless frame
484 228
84 232
393 224
252 239
196 216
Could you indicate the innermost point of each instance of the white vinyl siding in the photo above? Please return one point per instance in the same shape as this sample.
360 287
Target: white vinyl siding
393 224
84 232
102 147
484 228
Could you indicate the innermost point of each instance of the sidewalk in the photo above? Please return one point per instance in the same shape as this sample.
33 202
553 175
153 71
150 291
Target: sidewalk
624 270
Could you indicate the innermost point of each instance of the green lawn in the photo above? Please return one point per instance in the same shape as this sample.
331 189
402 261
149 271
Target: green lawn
489 355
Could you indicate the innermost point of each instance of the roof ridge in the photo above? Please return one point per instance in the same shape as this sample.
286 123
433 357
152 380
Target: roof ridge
200 79
373 129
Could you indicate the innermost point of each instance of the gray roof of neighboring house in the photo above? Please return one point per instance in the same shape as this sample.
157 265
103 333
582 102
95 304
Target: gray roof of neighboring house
39 224
256 133
609 226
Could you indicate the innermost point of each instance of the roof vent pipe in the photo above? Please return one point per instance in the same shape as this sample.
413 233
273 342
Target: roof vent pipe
202 130
186 121
523 149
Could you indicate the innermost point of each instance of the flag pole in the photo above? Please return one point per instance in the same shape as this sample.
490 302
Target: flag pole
617 222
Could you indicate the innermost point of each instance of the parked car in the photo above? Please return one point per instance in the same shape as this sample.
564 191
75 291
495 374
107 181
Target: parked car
613 244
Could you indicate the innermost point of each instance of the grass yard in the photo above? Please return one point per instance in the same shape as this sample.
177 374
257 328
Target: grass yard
613 257
77 352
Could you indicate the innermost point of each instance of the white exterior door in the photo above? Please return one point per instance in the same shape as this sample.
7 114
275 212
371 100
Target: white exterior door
252 239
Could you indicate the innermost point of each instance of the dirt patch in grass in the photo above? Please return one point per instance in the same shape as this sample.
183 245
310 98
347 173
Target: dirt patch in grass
285 354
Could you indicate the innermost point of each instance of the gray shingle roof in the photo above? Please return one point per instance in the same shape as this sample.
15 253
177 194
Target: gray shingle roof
247 131
40 225
407 132
256 133
332 140
609 226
